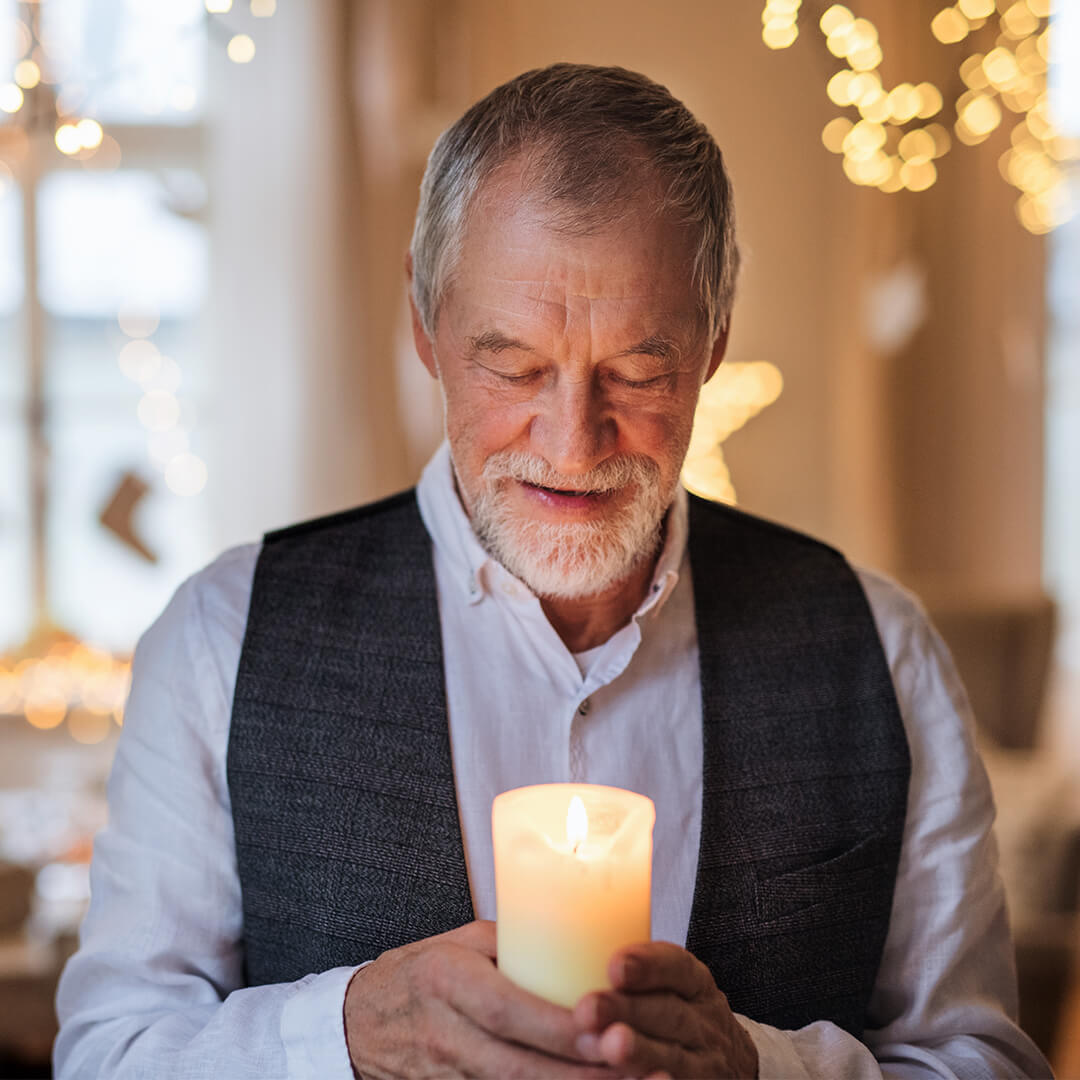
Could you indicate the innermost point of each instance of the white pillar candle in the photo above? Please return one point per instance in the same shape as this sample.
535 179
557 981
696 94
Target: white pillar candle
573 869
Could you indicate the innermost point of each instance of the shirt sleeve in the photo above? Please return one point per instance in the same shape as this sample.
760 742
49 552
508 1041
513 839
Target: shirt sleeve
944 1003
156 987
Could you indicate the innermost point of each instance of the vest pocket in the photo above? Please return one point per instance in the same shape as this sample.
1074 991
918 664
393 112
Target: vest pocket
837 887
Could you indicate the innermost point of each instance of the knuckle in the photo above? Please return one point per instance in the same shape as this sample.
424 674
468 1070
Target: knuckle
436 1045
433 972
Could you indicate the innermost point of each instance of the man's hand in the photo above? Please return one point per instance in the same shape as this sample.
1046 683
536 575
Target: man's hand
439 1007
665 1017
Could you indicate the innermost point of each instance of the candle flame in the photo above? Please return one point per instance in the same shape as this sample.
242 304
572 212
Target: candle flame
577 823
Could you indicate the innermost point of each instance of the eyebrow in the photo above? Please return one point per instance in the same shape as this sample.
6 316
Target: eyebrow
654 345
496 342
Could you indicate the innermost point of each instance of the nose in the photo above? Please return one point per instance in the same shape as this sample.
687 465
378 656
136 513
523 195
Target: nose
573 430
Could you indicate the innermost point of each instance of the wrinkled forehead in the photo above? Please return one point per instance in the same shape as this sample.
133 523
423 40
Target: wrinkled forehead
520 245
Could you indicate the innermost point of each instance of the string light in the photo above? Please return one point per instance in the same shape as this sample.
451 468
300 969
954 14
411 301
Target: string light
27 74
930 100
879 149
949 26
70 680
778 23
11 97
185 474
159 410
67 139
241 49
90 133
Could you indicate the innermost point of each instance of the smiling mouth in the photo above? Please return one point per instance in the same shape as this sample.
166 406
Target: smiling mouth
564 491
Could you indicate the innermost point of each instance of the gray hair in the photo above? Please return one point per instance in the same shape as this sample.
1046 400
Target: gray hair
594 136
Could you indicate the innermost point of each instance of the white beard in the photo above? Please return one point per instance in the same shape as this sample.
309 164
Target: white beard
574 559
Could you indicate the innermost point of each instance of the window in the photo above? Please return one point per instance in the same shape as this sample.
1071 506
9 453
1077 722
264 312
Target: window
103 269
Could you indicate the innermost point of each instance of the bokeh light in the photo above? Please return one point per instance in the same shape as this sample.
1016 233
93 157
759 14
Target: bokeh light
241 49
186 474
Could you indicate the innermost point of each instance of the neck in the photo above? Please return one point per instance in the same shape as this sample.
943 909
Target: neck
588 621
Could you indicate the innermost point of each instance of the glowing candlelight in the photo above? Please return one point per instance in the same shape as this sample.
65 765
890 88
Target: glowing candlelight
572 881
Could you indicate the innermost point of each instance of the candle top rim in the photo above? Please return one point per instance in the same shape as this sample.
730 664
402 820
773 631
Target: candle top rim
638 805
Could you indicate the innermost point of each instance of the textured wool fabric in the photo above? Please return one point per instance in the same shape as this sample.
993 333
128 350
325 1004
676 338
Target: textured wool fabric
342 786
805 774
339 767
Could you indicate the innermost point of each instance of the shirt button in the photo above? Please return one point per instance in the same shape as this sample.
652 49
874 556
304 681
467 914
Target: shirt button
584 707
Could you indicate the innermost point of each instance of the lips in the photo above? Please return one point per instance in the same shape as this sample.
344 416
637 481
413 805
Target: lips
563 491
566 500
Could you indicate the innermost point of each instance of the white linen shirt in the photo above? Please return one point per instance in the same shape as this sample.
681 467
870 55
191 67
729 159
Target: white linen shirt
156 988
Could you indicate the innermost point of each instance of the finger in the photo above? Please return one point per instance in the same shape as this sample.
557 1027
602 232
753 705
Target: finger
660 965
493 1003
456 1045
662 1014
632 1053
491 1057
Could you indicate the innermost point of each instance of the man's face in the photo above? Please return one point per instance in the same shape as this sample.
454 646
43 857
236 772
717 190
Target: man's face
570 367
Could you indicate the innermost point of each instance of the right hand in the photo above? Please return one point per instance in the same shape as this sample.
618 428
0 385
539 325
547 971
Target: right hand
441 1007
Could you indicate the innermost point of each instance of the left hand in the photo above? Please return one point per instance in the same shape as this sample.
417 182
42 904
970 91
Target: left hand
664 1017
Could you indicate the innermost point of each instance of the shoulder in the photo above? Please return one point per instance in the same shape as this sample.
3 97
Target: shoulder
201 628
399 505
718 519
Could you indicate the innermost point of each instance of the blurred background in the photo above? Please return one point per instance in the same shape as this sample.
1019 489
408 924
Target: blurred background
204 207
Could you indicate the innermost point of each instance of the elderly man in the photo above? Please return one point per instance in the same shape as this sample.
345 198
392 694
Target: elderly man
297 875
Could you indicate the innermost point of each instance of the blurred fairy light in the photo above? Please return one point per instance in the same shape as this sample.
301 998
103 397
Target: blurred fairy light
61 109
779 28
888 145
70 680
241 49
159 409
27 74
53 680
11 97
734 395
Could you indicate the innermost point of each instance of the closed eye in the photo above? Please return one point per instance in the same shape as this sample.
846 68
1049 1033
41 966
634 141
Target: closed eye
655 382
516 378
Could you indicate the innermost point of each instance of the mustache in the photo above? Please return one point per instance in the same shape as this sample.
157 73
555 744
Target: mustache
609 475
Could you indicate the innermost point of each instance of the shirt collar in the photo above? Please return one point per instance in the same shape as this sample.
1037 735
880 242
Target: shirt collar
474 570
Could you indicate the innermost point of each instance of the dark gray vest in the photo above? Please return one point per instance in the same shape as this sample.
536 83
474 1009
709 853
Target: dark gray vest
342 787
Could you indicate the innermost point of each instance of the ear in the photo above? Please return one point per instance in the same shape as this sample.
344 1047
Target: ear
718 350
425 349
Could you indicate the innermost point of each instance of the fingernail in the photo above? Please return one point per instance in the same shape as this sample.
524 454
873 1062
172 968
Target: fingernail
631 969
588 1046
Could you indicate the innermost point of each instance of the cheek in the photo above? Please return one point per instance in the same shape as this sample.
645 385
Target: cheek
482 422
660 433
